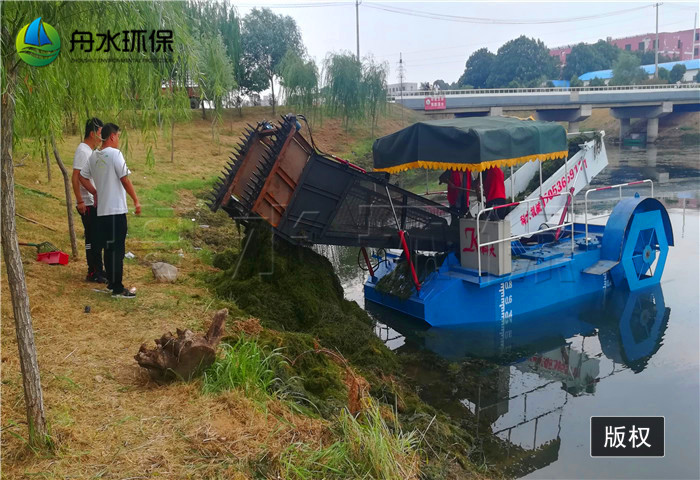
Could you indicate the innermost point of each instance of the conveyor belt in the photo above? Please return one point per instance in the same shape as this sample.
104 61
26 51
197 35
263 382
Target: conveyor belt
311 198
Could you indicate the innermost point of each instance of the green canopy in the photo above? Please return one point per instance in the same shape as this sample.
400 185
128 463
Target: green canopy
475 144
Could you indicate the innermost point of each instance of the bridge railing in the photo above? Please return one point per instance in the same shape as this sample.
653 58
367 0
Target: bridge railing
493 91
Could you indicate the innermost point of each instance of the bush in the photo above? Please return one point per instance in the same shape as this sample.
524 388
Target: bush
575 82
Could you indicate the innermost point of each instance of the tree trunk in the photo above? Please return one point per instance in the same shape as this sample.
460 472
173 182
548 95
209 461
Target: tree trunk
69 199
172 142
204 111
184 356
48 160
33 398
272 89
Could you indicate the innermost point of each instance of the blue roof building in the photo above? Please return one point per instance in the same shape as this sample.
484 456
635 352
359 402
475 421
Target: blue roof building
607 74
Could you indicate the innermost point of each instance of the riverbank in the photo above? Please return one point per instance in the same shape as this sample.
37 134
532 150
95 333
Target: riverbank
109 420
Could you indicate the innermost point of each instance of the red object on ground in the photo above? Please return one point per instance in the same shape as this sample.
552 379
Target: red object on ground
495 184
53 258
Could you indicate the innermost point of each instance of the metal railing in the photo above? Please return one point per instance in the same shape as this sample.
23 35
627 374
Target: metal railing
570 215
609 187
491 91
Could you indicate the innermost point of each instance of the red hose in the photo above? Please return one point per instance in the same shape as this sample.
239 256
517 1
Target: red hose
402 236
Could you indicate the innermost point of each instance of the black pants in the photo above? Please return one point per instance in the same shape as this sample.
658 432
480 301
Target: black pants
498 214
113 234
93 249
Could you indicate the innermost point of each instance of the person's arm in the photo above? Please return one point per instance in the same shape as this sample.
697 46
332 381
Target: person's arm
75 180
129 187
88 185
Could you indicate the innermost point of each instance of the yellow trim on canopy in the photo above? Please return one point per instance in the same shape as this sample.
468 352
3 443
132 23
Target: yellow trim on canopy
473 167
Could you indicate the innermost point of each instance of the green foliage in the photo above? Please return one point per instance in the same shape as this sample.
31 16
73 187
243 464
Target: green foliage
216 78
664 74
299 79
129 94
292 288
586 58
647 57
244 365
477 69
367 448
442 85
575 82
266 38
374 89
344 79
627 71
522 62
596 82
677 73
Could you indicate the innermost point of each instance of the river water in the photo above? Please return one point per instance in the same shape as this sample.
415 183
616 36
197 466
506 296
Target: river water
537 384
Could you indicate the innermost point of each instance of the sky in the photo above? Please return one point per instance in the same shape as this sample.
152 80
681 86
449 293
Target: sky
434 48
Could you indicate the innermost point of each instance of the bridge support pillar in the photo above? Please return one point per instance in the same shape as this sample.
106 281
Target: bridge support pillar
495 111
650 113
625 127
572 115
652 129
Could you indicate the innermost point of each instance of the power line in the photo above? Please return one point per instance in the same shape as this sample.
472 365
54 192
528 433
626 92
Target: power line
495 21
295 5
462 60
494 42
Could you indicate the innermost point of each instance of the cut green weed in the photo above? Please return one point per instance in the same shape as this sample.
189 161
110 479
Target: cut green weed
244 365
368 448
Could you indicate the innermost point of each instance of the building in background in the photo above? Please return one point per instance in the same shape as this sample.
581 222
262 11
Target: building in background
692 67
683 45
395 88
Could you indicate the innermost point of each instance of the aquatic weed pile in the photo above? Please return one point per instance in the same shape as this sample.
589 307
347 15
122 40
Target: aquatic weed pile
292 288
299 300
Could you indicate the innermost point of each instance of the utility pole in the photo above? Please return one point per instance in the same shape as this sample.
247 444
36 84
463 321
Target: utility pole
401 83
656 46
357 26
692 44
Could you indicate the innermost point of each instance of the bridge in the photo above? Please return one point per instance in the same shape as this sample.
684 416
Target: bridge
556 104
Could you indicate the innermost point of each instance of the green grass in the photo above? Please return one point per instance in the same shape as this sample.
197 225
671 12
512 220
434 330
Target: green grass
245 365
367 448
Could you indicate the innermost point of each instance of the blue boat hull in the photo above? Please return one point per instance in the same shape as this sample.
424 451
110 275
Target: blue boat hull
543 276
448 298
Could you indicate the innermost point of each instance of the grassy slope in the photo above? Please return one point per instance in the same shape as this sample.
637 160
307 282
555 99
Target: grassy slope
108 419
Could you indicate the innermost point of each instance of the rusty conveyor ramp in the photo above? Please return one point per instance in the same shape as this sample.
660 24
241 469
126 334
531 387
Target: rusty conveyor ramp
276 176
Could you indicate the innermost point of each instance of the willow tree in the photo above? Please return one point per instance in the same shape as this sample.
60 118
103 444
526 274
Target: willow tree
216 76
343 86
374 89
299 81
35 102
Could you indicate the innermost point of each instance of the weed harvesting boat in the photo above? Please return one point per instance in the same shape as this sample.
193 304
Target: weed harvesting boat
428 261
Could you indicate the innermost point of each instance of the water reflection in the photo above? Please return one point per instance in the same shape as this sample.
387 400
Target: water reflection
536 365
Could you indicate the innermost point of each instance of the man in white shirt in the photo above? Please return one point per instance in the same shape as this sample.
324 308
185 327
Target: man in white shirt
107 168
85 202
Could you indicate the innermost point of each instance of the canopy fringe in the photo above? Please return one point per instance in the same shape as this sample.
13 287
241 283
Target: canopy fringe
473 167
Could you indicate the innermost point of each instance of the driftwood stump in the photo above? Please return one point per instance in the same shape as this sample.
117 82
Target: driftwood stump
184 356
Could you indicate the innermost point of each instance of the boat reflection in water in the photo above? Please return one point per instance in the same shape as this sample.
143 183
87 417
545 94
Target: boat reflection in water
517 378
